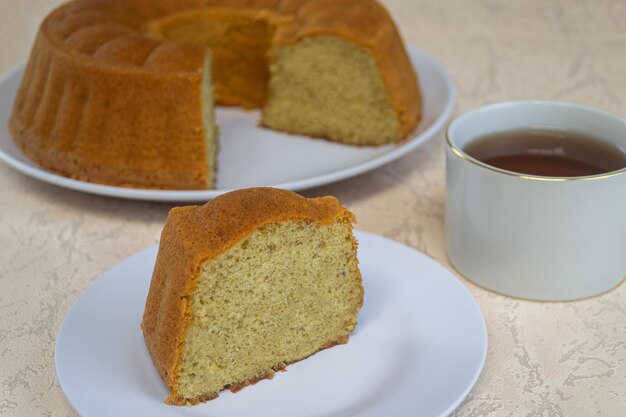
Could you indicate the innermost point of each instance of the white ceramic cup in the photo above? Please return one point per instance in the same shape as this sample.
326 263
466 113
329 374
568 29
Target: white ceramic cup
533 237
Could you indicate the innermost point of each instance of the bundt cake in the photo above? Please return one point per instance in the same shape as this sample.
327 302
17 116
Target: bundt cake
248 283
120 92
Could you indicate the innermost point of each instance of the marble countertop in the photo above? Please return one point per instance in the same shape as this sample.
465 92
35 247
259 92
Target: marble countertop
544 359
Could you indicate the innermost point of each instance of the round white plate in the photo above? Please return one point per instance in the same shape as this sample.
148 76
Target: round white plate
418 348
253 156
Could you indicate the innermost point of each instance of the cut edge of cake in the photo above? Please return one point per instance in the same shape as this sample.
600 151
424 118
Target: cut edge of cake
332 88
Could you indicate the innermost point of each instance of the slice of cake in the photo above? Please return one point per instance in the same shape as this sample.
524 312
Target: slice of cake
247 284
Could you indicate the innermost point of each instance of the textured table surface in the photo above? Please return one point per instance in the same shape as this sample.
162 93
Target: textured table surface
544 359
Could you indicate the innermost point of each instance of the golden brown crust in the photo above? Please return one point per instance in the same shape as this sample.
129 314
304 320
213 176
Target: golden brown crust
103 102
110 106
194 234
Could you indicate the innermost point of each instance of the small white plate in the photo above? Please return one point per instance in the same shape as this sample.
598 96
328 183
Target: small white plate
419 346
253 156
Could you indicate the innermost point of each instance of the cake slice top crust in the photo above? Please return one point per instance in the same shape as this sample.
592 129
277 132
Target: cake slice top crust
195 234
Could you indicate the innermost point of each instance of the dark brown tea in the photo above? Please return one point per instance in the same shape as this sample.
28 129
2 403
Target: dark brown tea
548 153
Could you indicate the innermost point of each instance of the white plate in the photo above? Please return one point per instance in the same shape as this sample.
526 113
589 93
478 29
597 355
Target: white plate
419 346
253 156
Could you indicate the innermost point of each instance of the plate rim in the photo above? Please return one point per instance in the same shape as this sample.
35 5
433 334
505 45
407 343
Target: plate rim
453 279
204 195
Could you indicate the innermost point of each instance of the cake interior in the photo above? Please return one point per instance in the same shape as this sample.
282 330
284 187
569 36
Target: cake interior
328 87
322 86
283 293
